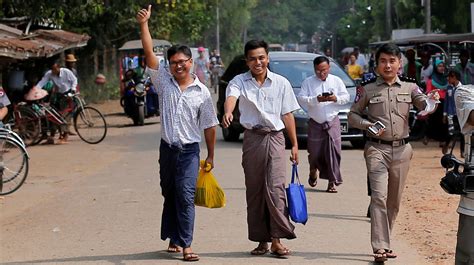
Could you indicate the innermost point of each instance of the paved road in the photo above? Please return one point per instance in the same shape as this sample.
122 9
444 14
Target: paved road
101 204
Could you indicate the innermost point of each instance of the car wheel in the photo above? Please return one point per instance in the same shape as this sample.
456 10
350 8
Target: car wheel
230 135
358 144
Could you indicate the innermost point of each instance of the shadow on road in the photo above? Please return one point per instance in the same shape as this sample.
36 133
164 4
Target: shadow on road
163 255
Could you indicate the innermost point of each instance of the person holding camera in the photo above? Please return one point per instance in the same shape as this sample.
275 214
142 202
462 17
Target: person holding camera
387 152
464 99
321 96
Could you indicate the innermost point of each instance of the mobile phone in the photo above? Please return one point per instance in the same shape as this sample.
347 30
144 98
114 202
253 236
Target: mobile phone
374 129
327 94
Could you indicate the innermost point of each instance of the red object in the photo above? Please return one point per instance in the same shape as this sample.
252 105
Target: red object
100 79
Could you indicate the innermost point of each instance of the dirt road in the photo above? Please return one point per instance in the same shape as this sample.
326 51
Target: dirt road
101 204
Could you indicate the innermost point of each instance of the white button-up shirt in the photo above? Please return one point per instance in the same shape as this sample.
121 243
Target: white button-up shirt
322 111
64 82
262 105
183 113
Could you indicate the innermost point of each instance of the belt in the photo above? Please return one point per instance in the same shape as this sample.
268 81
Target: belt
392 143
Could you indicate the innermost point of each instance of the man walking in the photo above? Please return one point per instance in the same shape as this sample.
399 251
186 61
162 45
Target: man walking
321 96
266 102
186 108
387 152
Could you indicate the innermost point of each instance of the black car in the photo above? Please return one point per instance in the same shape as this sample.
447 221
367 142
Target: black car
295 66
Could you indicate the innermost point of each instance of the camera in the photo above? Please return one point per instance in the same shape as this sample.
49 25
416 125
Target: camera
456 182
376 127
327 94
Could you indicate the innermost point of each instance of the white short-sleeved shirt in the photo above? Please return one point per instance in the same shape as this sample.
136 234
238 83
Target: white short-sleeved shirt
64 82
263 106
183 113
322 111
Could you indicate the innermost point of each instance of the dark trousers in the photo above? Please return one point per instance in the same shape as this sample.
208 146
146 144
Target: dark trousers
179 167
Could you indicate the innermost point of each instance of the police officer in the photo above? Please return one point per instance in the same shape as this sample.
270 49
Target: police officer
387 152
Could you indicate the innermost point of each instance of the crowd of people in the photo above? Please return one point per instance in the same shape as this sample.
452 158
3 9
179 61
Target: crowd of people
266 102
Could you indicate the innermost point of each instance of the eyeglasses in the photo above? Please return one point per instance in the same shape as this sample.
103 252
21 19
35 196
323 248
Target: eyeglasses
180 62
324 71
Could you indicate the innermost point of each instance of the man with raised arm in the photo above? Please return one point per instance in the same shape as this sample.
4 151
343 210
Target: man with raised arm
186 108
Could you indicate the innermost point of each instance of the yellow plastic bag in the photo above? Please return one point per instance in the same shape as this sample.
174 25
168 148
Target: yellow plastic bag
208 192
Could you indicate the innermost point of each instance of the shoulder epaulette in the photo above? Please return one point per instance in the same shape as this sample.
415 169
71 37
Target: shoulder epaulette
368 81
406 79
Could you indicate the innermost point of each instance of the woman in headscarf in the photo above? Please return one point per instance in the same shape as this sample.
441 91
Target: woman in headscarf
437 130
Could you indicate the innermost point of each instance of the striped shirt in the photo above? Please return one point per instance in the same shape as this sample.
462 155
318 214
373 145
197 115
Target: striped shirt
183 113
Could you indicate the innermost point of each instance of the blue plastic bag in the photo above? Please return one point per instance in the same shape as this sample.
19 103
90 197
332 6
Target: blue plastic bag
296 197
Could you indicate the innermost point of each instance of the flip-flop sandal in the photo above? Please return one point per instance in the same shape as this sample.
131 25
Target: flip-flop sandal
190 257
258 251
173 249
331 190
390 254
380 257
312 181
281 253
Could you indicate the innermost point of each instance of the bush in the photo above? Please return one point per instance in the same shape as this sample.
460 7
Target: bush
94 93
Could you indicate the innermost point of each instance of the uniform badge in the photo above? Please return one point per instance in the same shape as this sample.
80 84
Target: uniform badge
358 94
417 89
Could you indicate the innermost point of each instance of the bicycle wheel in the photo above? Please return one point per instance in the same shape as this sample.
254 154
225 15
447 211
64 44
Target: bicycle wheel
13 165
28 125
90 125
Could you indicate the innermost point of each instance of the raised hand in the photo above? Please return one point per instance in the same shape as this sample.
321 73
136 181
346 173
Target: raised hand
144 15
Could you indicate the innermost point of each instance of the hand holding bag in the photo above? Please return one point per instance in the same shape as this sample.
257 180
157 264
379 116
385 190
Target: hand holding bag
208 192
296 198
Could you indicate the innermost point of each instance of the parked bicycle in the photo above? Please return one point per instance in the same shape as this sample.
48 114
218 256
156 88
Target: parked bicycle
14 161
34 120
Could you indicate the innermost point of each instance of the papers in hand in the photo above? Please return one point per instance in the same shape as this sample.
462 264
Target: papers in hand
430 107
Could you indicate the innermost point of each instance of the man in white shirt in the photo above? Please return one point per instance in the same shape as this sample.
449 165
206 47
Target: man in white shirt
266 103
464 97
186 110
321 96
64 81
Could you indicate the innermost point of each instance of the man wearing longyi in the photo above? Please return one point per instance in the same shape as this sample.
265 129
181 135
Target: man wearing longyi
266 103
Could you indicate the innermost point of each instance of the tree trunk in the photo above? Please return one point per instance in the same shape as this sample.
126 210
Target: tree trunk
96 62
105 61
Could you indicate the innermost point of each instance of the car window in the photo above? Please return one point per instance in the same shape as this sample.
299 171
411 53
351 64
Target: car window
297 71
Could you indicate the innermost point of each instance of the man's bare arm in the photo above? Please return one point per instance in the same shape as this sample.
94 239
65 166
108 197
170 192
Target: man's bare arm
142 18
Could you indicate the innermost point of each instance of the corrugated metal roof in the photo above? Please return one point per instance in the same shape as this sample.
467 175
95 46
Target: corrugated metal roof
137 44
38 44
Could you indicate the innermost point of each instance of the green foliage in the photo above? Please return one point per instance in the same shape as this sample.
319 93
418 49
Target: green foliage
94 93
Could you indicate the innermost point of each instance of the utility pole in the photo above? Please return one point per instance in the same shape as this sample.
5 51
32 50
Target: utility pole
218 42
427 4
388 19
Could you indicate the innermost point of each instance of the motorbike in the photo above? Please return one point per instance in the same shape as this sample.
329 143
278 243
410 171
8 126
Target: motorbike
140 100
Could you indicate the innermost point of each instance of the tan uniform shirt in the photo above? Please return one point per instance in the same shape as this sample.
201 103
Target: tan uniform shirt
387 104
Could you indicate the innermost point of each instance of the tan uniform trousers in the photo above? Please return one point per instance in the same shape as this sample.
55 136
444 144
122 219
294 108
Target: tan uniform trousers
387 167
